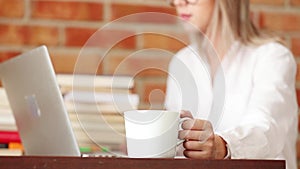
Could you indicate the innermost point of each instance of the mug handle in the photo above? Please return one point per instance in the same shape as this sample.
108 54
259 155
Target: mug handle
180 128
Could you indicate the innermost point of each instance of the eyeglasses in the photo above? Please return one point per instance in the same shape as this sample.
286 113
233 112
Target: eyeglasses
192 2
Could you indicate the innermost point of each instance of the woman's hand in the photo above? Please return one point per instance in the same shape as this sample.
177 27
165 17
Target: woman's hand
200 140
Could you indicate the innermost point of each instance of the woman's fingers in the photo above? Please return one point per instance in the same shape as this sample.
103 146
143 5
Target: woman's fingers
200 136
185 113
198 154
196 124
199 139
199 150
198 146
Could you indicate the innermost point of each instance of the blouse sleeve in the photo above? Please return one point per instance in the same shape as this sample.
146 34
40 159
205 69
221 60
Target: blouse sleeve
271 115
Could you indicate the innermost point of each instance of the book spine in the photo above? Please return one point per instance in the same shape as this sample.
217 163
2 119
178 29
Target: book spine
4 145
9 136
12 145
15 145
11 149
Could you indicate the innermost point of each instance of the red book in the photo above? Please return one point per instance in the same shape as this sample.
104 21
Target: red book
9 136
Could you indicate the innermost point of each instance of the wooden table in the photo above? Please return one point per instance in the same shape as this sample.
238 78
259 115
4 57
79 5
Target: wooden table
34 162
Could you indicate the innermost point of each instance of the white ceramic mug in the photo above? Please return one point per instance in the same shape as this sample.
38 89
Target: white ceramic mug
152 133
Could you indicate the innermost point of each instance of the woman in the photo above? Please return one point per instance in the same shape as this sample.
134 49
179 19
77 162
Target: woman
253 79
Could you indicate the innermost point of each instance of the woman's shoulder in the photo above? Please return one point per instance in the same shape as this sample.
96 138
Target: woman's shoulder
273 53
272 49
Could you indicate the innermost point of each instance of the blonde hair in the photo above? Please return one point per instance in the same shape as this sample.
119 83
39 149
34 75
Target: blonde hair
233 19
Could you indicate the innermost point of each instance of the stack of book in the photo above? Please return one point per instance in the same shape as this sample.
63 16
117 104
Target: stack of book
95 105
10 142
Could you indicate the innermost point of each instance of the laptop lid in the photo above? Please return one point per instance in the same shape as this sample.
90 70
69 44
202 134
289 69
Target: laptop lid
34 96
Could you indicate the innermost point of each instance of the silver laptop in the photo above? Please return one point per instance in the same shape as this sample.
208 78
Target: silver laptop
37 104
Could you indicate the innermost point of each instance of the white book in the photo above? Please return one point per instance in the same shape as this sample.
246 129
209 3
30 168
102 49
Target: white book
66 89
98 108
96 118
10 152
98 127
3 98
102 97
86 81
5 110
8 127
7 119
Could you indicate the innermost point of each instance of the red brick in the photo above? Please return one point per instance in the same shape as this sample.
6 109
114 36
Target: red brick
280 21
142 65
28 35
103 39
298 94
114 64
78 36
12 8
268 2
12 34
298 78
7 55
164 41
121 10
296 46
295 2
298 123
43 35
67 10
69 62
298 148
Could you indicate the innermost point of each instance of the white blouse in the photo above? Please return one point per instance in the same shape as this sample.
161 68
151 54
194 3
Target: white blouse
251 101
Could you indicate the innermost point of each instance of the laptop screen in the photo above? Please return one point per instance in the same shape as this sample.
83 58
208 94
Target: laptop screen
34 96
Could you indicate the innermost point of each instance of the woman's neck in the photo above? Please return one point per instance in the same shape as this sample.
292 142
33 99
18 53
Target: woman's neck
219 45
216 57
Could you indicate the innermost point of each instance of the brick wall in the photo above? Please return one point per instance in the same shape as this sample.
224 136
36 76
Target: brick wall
66 25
